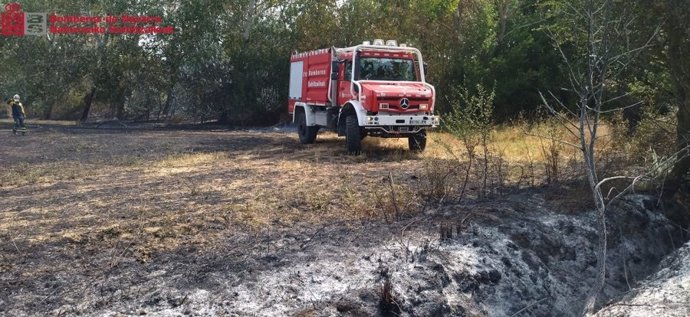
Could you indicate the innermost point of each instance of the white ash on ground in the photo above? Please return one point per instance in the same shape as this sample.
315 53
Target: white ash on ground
665 293
501 258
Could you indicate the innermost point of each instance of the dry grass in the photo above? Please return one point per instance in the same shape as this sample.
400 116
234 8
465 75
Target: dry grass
158 190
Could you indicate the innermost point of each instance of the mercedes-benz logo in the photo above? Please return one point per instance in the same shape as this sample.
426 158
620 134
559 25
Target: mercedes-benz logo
404 103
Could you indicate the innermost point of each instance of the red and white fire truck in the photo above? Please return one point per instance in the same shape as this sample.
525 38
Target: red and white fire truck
372 89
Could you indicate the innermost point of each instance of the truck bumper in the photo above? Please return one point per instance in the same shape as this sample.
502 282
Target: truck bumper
396 126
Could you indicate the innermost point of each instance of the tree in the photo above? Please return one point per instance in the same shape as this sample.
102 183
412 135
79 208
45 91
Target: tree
594 29
677 31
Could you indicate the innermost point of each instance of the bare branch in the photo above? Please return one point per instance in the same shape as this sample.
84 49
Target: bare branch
528 307
561 104
560 116
616 98
620 108
629 189
574 82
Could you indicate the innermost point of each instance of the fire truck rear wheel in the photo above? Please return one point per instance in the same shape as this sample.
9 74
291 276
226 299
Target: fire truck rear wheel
307 134
417 142
353 135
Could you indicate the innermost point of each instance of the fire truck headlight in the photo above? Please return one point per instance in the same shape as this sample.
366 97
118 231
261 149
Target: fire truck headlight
424 107
372 120
384 106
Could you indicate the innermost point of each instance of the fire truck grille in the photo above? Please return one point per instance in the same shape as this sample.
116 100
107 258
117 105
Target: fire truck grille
402 104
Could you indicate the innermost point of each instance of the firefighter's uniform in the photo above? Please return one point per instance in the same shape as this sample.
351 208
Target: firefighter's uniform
17 114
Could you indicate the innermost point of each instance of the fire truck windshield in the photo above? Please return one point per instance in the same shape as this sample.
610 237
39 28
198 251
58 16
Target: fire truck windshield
391 69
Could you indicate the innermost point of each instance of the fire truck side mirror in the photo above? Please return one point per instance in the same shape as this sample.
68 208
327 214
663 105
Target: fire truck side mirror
334 70
425 69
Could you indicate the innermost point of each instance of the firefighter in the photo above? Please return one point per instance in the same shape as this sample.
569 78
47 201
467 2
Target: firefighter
17 114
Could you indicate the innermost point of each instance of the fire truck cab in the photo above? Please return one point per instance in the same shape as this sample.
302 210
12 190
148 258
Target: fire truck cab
370 89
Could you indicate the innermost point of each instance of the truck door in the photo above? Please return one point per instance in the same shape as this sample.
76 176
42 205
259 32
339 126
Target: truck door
344 94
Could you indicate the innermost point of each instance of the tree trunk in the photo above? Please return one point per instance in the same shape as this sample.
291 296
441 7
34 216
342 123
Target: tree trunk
120 110
682 166
50 104
165 109
48 112
503 8
88 99
677 29
249 16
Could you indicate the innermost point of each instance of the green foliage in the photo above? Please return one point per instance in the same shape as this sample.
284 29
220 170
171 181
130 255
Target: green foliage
229 61
471 117
652 136
550 133
471 122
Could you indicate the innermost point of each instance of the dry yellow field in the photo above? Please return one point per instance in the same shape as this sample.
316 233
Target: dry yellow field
157 189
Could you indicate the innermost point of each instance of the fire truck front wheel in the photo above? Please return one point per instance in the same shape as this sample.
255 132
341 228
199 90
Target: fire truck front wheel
307 134
417 142
353 135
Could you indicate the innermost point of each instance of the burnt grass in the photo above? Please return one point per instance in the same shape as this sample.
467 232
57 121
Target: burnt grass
96 210
137 221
